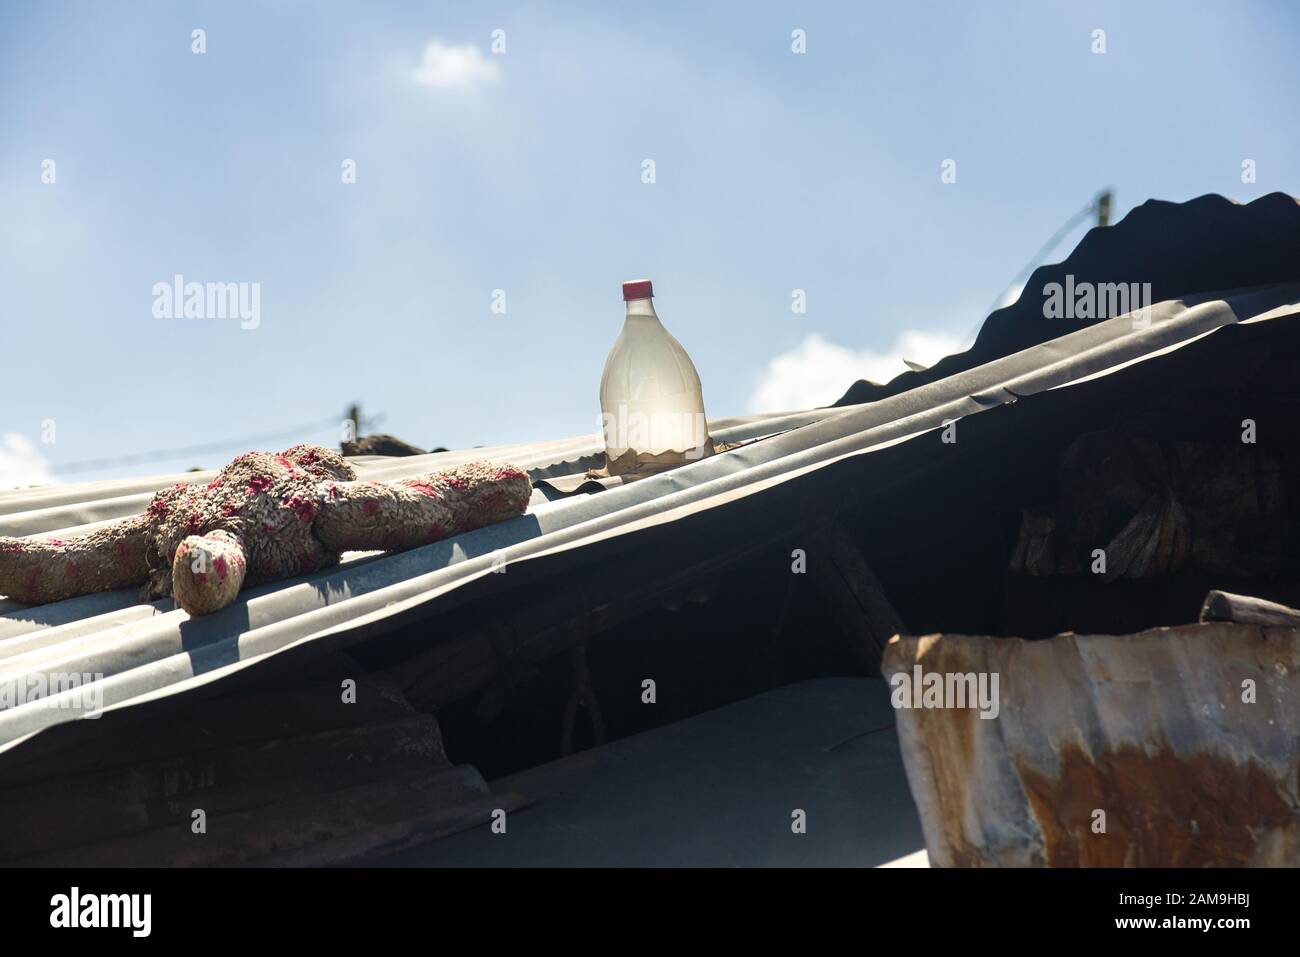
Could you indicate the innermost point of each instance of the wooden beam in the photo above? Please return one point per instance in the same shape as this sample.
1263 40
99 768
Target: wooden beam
1224 606
373 843
242 717
853 594
534 630
67 812
245 836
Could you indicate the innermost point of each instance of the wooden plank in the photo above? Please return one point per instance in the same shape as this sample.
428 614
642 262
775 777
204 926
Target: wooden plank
1224 606
535 630
448 670
369 845
66 812
240 837
854 594
208 723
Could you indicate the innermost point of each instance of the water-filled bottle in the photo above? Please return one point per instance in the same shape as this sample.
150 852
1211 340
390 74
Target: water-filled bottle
650 397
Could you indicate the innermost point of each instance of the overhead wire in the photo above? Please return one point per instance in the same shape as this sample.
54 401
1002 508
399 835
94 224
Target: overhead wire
161 455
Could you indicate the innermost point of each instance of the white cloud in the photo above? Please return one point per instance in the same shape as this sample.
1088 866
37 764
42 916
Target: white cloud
20 463
1011 295
817 372
447 67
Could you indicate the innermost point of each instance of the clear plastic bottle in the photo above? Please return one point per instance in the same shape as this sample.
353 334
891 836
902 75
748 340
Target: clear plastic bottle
650 396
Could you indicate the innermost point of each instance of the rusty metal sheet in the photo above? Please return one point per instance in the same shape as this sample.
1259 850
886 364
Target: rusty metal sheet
1173 747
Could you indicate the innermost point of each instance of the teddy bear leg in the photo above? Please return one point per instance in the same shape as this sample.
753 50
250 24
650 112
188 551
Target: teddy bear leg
207 572
43 570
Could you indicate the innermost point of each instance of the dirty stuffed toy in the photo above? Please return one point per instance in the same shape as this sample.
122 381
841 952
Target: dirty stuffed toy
264 517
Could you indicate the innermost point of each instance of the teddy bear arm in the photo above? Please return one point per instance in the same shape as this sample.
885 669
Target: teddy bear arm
44 570
361 516
376 516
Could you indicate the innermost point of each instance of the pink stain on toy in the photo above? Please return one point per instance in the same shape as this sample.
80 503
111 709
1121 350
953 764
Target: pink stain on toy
301 507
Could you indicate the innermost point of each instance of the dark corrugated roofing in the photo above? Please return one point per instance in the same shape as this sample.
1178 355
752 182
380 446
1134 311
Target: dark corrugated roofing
1208 244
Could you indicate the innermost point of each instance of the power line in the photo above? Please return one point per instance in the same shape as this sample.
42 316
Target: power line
159 455
1098 205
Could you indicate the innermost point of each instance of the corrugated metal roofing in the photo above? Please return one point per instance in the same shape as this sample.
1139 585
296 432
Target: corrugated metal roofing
1205 245
147 651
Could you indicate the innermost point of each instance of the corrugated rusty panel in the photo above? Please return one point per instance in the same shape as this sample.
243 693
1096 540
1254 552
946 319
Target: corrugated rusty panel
1154 730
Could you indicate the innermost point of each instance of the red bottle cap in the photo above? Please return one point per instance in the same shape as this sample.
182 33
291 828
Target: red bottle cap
637 289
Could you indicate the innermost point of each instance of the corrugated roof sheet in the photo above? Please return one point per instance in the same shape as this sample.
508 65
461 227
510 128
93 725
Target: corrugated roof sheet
147 651
1205 245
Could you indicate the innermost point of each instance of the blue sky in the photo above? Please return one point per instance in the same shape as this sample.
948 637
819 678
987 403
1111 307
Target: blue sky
522 171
